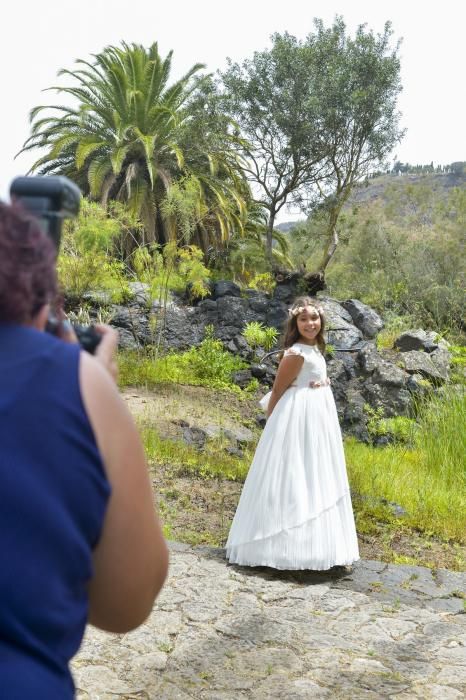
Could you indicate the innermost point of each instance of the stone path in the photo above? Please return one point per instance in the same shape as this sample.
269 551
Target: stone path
223 633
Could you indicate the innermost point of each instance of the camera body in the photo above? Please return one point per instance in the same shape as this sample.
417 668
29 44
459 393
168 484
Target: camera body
50 200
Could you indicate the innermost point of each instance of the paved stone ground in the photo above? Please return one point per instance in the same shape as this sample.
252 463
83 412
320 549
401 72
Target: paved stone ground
221 632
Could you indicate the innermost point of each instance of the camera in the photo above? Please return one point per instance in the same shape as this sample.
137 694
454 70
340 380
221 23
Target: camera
51 199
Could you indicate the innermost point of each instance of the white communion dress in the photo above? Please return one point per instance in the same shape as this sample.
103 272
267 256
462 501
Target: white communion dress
295 508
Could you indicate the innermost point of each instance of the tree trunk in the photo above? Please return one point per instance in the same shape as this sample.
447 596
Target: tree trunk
159 234
269 240
332 233
330 249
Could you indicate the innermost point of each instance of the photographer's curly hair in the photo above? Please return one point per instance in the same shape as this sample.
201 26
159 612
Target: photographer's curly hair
27 266
291 334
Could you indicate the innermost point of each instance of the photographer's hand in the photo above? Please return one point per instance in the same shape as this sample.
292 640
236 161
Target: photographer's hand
66 332
106 349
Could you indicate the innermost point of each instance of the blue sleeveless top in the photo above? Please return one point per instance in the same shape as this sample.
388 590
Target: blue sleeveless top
53 497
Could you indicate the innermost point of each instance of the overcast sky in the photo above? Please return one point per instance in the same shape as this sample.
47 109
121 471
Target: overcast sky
38 39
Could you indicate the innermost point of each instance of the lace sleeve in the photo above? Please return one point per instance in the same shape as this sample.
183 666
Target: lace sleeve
294 351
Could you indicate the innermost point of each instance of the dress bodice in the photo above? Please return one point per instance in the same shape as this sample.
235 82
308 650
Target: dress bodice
314 367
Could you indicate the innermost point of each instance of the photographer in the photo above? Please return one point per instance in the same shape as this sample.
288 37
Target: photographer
79 538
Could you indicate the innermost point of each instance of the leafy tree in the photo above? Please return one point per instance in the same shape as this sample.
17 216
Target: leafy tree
319 115
356 83
269 97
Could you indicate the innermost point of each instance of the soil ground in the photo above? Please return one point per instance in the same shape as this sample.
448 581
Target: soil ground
199 510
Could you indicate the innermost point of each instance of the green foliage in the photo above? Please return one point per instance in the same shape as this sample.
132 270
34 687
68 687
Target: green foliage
206 365
312 133
258 335
398 428
81 273
211 462
181 207
127 134
374 416
263 282
171 268
394 326
253 386
193 271
442 435
94 231
244 258
404 257
85 263
82 315
458 364
427 478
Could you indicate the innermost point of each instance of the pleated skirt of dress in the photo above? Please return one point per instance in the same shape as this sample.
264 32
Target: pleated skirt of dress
295 508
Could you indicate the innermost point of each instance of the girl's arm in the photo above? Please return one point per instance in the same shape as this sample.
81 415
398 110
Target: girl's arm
131 558
287 372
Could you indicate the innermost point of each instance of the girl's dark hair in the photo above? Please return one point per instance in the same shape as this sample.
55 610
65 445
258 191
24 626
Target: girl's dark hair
28 277
291 333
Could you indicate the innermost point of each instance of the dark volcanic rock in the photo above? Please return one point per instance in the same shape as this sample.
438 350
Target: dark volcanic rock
242 377
389 375
277 313
231 311
365 318
207 309
258 301
393 399
225 288
359 373
418 362
416 340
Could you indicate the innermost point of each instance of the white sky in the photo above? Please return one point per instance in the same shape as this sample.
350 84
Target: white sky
39 38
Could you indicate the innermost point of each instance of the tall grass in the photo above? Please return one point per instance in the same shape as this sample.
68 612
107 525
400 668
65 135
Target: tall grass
427 479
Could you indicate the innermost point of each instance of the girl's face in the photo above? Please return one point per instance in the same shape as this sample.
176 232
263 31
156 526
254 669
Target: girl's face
308 322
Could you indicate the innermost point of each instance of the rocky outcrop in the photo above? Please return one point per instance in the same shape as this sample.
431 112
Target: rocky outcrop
361 375
364 318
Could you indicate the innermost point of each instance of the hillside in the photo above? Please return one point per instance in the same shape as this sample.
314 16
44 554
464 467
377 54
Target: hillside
382 186
412 189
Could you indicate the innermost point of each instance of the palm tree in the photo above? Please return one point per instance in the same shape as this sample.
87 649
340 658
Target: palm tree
126 140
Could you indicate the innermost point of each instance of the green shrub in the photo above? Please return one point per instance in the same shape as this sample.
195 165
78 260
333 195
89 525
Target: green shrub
81 272
398 428
458 364
395 325
171 268
206 365
263 282
85 262
258 335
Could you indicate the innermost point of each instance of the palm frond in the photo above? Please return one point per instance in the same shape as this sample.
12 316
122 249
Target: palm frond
85 148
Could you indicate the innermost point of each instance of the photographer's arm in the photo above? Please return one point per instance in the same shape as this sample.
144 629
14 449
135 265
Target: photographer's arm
131 558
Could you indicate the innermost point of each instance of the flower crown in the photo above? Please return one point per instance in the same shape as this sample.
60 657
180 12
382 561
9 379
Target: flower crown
296 310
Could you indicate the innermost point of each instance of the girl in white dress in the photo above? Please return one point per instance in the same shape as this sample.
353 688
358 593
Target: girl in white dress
295 508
